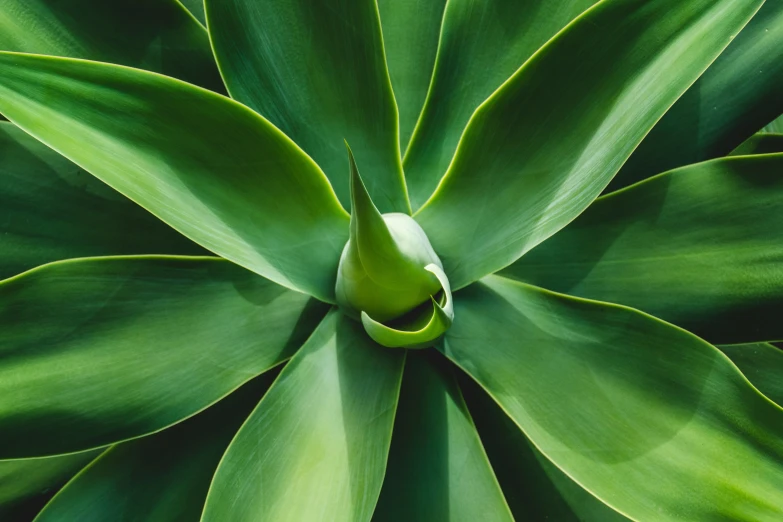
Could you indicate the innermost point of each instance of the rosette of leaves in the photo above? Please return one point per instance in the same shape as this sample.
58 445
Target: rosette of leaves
539 284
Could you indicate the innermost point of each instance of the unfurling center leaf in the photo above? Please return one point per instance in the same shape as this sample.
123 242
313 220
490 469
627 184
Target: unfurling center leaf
389 275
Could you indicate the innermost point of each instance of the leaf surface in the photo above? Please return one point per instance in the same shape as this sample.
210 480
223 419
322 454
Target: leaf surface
317 71
762 364
735 97
161 477
699 247
96 351
481 45
542 148
157 35
760 143
206 165
651 419
437 467
410 36
315 448
54 210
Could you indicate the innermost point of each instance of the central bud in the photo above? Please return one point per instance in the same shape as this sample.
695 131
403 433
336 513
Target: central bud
390 277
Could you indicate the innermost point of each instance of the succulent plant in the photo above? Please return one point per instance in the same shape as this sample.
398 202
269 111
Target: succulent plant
393 260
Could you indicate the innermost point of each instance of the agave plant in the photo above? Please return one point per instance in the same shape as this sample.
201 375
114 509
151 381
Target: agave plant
539 282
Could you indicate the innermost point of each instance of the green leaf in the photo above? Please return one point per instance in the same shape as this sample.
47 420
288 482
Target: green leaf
53 210
157 35
775 126
481 45
534 487
100 350
26 480
699 247
651 419
206 165
196 8
762 364
438 470
410 36
737 95
538 152
159 478
760 143
315 449
317 71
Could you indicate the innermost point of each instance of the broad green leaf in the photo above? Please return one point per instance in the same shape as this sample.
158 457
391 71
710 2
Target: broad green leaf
100 350
157 35
652 420
481 45
206 165
541 149
760 143
159 478
776 126
737 95
26 480
317 71
762 364
54 210
196 8
315 448
534 487
410 37
438 470
699 247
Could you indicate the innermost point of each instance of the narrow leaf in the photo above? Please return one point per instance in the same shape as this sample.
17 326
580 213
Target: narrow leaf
54 210
157 35
699 247
542 148
159 478
96 351
775 126
481 45
315 449
410 37
317 71
737 95
651 419
437 467
206 165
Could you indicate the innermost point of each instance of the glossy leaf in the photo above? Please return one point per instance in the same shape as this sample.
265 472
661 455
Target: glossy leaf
762 364
54 210
760 143
633 409
410 37
159 478
204 164
481 45
535 488
699 247
27 480
437 467
315 449
317 71
538 152
101 350
775 126
157 35
738 94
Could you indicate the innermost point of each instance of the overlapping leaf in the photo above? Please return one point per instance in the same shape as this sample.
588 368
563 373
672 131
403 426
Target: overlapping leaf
157 35
317 71
100 350
699 247
633 409
315 449
762 364
538 152
206 165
